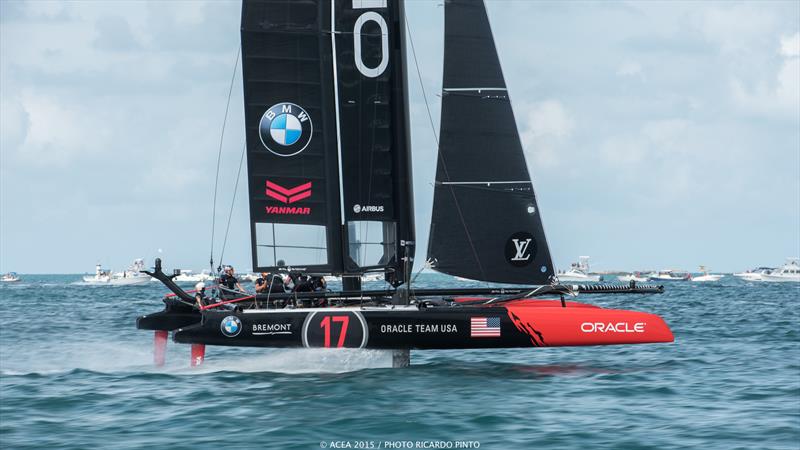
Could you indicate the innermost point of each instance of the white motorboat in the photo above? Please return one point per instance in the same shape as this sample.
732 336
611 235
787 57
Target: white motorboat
636 276
789 272
100 276
9 277
668 275
249 277
189 276
754 274
372 276
130 277
706 276
578 273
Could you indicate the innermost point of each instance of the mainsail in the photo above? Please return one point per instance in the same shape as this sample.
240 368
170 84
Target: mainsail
327 138
486 224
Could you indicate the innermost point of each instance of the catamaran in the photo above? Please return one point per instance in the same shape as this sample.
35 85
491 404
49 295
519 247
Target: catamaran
330 193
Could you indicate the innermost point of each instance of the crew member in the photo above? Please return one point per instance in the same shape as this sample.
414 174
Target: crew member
318 284
229 280
200 294
302 284
270 283
262 286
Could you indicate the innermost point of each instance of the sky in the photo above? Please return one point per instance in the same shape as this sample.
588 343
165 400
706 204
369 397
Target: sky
658 134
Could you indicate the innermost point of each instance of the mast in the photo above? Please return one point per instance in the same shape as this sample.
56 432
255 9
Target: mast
486 224
326 113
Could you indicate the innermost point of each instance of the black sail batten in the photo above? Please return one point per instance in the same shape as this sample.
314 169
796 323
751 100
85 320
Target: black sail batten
326 114
486 223
373 135
291 135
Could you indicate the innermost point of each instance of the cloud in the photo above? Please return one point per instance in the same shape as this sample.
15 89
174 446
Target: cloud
114 33
737 28
14 124
779 96
653 143
546 126
790 45
630 69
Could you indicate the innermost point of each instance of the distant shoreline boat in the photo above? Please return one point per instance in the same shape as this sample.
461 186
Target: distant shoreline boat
706 276
754 274
130 277
10 277
790 272
579 272
375 276
189 276
636 276
669 275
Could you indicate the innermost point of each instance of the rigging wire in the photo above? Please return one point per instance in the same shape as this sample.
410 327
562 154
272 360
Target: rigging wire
219 159
421 84
233 201
440 157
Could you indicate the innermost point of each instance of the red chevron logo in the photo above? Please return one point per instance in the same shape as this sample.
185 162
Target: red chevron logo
288 196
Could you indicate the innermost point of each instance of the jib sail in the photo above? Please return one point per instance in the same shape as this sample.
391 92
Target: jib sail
486 224
327 141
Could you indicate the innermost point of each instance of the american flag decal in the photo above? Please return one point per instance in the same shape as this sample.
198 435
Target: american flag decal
484 327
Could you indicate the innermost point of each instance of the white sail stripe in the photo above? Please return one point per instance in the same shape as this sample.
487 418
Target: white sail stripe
474 89
336 105
484 182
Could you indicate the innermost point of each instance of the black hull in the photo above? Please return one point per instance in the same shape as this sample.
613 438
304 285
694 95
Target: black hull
176 314
528 323
399 328
379 321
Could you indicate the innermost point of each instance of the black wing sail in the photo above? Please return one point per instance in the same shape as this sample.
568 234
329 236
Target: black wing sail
486 224
373 115
327 136
291 135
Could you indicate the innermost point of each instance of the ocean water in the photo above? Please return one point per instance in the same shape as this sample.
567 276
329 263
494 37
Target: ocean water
76 374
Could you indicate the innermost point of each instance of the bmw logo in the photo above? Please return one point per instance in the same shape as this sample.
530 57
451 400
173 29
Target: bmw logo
285 129
230 326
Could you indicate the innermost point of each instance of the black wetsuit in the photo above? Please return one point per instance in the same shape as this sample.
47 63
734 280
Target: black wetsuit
277 286
259 282
229 281
303 284
200 296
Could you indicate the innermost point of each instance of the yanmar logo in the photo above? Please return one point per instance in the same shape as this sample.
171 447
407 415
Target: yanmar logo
288 196
610 327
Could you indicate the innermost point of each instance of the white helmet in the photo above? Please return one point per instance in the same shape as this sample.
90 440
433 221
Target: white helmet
200 286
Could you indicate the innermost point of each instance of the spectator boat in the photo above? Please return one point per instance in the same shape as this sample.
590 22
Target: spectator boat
789 272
